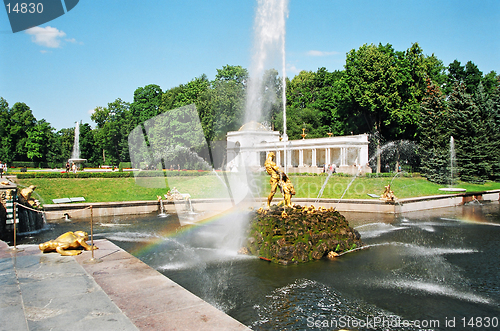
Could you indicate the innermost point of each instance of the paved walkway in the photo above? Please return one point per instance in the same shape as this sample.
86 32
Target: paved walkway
52 292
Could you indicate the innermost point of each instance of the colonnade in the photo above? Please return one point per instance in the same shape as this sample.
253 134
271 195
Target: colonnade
348 153
317 157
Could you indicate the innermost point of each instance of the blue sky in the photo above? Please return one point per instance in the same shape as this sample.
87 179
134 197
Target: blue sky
104 49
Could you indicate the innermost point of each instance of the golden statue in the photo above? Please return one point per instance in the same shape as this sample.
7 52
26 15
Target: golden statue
26 198
388 194
278 178
68 240
287 190
174 194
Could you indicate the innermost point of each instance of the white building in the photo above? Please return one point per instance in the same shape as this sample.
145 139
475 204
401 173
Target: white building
250 144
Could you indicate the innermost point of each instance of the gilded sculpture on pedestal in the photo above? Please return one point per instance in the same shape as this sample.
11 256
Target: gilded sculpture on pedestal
64 242
278 178
388 195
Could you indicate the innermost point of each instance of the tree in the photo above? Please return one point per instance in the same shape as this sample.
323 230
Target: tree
412 70
88 148
221 108
473 76
114 123
21 121
65 139
5 143
236 74
491 82
434 135
147 102
372 79
312 103
468 131
169 98
469 75
37 142
456 74
190 92
495 120
490 130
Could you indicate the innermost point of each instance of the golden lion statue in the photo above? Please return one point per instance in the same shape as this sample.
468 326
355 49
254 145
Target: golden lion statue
65 241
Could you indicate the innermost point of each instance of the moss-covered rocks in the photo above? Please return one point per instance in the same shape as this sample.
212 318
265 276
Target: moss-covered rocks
299 235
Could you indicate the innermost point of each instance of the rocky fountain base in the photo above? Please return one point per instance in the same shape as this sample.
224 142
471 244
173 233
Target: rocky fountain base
299 234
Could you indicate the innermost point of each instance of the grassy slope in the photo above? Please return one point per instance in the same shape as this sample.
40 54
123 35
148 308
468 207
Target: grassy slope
126 189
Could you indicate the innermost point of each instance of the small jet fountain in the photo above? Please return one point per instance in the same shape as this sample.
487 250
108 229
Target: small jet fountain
162 213
452 167
75 155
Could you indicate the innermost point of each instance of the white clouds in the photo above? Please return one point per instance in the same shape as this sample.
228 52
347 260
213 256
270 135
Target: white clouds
49 37
73 41
90 112
292 69
321 53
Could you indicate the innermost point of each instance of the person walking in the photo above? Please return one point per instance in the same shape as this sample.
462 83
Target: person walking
1 169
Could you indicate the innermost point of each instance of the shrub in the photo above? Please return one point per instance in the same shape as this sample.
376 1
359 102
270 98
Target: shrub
22 164
125 165
114 174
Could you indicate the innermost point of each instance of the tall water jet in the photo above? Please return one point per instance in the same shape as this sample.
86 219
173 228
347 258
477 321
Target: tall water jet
75 154
76 146
269 42
452 169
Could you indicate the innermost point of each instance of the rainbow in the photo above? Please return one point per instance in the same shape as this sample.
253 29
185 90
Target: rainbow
149 246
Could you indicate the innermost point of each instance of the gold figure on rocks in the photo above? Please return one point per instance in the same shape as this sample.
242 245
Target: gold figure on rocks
388 195
278 178
26 198
68 240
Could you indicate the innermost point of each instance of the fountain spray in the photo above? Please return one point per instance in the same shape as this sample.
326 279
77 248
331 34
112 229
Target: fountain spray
269 41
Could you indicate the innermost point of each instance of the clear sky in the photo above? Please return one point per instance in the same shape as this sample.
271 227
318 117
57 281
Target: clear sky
104 49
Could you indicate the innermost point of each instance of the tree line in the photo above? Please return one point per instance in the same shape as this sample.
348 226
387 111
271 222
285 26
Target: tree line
394 95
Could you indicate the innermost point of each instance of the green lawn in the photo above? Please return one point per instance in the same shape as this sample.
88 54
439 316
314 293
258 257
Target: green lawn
127 189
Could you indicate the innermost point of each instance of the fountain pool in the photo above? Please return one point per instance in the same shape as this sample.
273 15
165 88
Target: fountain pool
437 265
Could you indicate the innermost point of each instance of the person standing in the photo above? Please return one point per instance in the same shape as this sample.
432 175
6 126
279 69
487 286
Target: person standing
1 169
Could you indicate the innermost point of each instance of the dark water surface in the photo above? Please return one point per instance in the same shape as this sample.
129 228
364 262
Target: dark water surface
435 269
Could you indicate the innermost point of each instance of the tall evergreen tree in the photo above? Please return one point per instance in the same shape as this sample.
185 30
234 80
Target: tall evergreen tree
488 105
470 136
495 97
434 136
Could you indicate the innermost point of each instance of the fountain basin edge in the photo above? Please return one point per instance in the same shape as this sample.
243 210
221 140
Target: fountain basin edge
81 210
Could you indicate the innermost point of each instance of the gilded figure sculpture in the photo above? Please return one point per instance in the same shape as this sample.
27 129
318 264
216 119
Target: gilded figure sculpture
26 198
64 242
278 178
388 194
